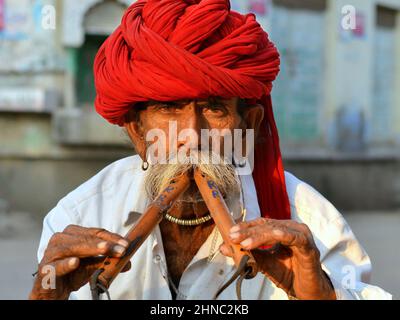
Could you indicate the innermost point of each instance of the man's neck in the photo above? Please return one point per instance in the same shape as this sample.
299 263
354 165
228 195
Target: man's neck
181 243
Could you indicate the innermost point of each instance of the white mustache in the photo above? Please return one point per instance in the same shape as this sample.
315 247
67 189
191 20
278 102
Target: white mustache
224 175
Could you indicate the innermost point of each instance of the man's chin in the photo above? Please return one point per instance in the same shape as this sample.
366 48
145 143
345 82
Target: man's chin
189 201
191 195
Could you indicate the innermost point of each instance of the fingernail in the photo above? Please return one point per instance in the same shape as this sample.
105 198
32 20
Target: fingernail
123 243
118 249
102 245
73 262
246 243
234 235
234 229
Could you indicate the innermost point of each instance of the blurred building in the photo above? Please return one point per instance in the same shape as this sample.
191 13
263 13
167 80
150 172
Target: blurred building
337 98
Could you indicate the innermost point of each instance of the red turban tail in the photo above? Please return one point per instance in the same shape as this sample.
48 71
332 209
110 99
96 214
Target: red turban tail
168 50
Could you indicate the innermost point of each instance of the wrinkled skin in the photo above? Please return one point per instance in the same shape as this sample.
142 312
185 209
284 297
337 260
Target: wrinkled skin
75 254
294 266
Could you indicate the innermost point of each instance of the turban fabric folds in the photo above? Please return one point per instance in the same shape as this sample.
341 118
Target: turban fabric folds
168 50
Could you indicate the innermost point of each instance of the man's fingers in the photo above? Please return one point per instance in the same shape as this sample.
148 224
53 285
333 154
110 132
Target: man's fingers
109 236
260 235
270 222
97 247
287 232
60 267
97 232
63 245
246 224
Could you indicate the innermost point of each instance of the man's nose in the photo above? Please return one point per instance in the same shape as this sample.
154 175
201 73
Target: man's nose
189 130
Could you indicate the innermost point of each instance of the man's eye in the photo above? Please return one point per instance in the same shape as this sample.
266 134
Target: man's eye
167 108
215 110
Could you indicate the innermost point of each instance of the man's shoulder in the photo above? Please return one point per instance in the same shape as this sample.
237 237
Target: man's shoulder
306 202
115 175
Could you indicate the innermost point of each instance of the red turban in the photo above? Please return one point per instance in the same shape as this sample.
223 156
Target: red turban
170 50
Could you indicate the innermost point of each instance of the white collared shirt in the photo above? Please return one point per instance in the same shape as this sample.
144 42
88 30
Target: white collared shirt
115 197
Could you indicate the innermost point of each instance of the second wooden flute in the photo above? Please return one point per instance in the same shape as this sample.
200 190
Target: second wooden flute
223 220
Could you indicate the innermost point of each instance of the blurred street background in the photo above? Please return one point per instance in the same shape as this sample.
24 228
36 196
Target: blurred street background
336 103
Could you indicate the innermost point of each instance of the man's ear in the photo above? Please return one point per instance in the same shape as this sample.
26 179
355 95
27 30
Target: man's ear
136 134
252 116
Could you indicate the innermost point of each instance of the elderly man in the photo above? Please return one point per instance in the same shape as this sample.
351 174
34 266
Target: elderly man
199 65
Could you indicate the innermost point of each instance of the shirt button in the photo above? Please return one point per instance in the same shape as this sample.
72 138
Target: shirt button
221 272
157 258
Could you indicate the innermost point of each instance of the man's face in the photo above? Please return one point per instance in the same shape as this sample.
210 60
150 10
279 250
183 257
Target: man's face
184 121
183 124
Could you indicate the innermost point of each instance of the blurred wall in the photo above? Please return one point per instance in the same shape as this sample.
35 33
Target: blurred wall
336 100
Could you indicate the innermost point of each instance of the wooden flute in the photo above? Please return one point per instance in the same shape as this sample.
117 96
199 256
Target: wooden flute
153 215
139 232
224 221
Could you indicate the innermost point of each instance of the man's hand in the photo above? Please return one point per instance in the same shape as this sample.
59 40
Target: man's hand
292 264
74 255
